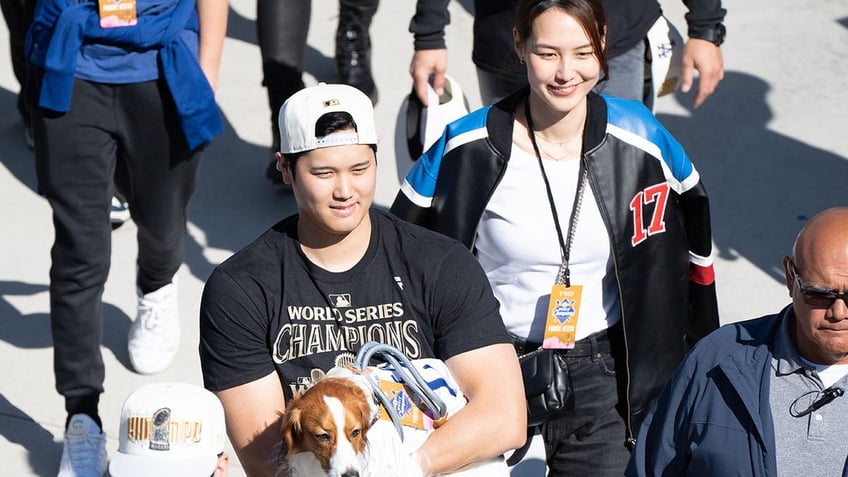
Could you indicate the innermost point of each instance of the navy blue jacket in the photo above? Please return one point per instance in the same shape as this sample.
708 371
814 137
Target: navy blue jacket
714 418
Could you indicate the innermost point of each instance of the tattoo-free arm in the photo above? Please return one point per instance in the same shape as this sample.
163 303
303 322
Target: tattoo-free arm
495 418
212 17
254 418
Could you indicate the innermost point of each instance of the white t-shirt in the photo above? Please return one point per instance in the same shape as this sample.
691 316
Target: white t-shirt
829 374
518 248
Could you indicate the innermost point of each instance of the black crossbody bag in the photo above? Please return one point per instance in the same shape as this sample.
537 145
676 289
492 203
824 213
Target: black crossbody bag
547 386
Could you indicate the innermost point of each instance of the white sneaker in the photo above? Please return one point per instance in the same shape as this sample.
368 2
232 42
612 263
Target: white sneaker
155 334
84 452
119 213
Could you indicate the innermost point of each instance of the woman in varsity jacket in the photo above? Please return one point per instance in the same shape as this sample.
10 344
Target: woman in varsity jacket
592 226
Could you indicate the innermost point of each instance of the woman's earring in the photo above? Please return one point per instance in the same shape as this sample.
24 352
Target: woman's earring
521 60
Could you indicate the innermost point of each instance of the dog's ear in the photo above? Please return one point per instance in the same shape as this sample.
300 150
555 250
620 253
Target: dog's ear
292 427
366 414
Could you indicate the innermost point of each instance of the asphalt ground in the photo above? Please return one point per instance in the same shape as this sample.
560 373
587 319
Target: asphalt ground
770 145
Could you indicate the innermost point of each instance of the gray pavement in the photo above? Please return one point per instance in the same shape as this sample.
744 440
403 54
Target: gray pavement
770 145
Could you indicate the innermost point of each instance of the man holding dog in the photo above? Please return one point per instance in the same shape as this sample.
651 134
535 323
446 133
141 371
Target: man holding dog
765 397
308 293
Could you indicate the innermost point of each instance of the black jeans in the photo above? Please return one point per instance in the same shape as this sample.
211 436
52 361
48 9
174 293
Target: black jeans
18 15
129 132
589 439
282 27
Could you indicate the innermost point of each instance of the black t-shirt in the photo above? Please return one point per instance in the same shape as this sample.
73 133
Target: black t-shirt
269 308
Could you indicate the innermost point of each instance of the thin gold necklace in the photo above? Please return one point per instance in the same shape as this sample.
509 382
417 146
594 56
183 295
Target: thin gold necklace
554 157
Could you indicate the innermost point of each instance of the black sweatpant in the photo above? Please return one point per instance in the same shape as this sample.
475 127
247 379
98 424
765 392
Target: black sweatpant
129 132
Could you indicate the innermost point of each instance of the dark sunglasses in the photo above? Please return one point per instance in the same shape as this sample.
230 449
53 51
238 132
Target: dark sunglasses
816 297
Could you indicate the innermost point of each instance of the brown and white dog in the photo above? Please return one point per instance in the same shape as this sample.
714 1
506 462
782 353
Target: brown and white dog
325 429
333 430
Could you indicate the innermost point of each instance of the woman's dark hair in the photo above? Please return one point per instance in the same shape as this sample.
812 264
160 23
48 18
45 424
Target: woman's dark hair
589 13
327 124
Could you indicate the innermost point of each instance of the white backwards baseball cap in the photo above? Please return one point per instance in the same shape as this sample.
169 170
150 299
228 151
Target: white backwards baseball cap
425 125
301 111
169 430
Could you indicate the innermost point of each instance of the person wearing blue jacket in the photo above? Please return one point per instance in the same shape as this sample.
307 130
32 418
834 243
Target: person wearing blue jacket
765 397
119 101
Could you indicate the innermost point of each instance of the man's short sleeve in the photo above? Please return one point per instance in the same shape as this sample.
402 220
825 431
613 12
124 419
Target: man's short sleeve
466 311
234 347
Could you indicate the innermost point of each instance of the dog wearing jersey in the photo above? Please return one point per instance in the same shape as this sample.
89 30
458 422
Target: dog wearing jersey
333 428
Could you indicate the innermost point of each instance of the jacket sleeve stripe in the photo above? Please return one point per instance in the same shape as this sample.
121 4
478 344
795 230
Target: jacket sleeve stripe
701 269
409 191
699 260
701 275
465 138
634 124
420 183
691 176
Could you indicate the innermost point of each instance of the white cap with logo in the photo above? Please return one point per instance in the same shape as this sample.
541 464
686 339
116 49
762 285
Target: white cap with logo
169 430
301 111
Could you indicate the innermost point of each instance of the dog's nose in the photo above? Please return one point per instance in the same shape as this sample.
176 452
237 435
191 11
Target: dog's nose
351 473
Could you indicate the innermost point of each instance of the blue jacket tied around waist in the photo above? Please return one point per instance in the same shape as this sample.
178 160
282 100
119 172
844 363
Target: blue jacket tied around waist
62 26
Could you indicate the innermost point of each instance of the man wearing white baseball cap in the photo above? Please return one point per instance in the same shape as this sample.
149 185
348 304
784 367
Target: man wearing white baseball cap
308 293
171 430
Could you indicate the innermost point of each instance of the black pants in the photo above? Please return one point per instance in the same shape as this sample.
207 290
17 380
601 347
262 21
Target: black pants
129 132
18 15
282 27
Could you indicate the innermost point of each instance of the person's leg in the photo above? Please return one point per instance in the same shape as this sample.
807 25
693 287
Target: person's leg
627 76
18 15
494 86
162 174
75 160
282 27
353 45
590 439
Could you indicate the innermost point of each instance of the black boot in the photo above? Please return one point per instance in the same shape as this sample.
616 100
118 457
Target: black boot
353 45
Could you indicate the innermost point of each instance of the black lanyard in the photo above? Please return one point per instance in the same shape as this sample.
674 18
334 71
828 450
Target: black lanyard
564 275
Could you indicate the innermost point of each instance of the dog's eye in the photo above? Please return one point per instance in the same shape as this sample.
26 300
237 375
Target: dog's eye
322 437
356 433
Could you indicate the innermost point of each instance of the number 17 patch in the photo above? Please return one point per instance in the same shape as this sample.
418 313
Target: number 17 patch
656 195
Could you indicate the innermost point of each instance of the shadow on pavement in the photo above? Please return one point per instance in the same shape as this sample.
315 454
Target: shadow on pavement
16 154
763 185
32 331
234 202
19 428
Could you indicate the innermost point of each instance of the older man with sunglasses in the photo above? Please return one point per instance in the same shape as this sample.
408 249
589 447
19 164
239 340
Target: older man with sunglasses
765 397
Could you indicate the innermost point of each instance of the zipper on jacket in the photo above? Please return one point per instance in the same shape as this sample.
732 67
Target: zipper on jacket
630 439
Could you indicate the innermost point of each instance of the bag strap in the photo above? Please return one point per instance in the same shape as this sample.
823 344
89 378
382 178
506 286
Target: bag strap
406 371
519 453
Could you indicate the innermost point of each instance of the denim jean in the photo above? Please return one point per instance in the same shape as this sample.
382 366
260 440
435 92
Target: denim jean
627 76
494 86
590 439
129 133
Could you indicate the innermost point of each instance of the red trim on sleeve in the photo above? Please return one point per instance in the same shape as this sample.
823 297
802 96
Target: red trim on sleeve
701 275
